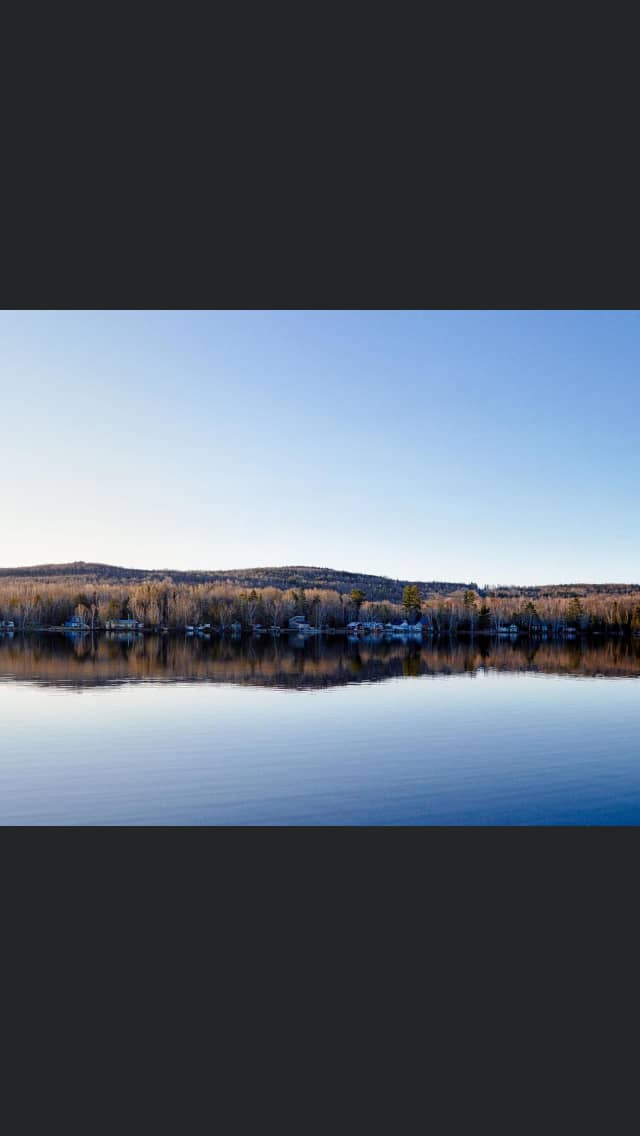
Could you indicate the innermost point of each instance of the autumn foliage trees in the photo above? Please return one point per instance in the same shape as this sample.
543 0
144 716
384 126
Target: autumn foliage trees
167 603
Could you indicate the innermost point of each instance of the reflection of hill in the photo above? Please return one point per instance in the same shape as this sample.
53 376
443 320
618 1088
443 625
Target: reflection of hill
56 660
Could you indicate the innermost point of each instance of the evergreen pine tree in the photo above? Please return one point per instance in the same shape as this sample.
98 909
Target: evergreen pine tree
412 601
574 611
357 598
484 618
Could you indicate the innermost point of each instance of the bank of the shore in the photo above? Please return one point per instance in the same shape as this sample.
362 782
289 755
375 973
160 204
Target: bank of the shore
410 635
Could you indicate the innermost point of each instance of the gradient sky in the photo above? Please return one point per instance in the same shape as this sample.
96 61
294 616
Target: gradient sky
494 446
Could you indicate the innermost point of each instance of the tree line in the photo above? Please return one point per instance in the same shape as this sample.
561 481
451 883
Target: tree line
161 603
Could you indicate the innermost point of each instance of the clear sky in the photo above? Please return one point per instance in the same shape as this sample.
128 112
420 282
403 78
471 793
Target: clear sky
494 446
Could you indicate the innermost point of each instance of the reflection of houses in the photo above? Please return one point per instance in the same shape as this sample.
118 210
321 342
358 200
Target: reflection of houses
124 625
76 623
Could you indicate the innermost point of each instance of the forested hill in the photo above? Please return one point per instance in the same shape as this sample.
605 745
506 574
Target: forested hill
374 587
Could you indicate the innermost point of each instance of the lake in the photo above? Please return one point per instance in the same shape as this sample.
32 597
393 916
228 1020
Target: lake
168 730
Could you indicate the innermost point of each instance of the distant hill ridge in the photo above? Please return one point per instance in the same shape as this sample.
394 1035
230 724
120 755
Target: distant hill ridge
289 576
296 576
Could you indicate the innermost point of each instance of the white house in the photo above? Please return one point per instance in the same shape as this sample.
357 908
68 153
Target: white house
299 624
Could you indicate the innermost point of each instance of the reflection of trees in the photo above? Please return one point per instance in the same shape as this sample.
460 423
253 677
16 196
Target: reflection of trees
314 664
411 664
84 646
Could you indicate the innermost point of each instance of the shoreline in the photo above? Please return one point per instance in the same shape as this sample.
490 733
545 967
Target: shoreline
409 636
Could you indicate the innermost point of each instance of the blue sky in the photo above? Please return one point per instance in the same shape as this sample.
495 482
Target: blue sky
499 447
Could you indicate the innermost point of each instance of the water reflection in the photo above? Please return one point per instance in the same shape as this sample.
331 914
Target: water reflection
316 663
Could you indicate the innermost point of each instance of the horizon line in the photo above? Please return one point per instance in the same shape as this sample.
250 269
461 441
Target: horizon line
313 568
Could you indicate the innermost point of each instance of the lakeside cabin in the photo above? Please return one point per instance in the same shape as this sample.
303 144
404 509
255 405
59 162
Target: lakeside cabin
7 625
372 627
299 625
124 625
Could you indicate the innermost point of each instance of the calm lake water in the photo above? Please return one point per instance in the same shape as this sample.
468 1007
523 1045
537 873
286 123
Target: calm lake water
175 731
